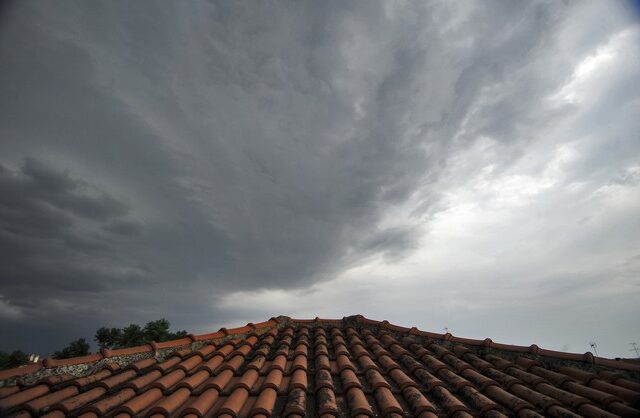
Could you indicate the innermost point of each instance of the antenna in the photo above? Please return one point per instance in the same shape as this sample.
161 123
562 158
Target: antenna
634 347
594 346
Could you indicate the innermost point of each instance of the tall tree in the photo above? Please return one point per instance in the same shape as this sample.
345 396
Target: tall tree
132 335
79 347
14 359
157 330
108 337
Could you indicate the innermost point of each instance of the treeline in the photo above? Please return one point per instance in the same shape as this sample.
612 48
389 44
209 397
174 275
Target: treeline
129 336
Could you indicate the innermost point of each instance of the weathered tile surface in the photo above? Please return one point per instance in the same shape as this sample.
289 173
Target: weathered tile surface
354 367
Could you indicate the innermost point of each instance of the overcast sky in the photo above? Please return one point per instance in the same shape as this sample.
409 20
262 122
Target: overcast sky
468 165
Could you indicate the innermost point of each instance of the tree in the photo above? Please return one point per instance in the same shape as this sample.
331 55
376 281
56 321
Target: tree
76 348
11 360
179 334
108 337
157 330
132 336
129 336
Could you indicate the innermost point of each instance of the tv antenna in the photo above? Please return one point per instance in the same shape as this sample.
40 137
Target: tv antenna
634 347
594 347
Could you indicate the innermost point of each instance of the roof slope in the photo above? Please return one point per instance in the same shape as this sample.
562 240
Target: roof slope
354 367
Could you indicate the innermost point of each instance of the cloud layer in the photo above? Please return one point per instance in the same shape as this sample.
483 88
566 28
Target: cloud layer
469 166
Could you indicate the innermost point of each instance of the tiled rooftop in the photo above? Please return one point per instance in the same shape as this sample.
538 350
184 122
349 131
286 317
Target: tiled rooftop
353 367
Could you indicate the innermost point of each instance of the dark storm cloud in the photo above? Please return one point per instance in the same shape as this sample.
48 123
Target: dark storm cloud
46 230
157 157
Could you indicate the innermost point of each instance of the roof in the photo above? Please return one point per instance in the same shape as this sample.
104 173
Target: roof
350 367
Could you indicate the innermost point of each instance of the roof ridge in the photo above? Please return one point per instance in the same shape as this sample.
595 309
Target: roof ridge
224 334
314 367
153 346
534 349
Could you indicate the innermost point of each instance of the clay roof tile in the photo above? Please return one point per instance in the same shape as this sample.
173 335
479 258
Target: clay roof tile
8 390
163 366
358 403
265 403
171 403
388 363
299 362
168 380
301 349
401 379
194 380
248 379
321 350
296 403
23 396
234 403
375 379
279 362
233 364
387 403
140 402
357 367
366 363
221 380
323 379
202 404
344 362
349 379
298 380
322 362
326 401
417 400
273 379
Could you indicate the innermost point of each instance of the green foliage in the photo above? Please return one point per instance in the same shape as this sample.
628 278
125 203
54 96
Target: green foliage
11 360
157 330
134 334
79 347
128 336
179 334
108 337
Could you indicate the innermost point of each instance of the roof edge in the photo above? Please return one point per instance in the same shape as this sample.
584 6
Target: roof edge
533 349
224 334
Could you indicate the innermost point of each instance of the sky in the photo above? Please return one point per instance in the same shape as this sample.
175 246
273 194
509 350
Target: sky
469 166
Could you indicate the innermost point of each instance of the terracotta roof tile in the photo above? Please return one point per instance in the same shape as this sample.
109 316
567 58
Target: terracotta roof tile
79 400
24 396
265 403
9 390
201 404
46 401
353 367
140 402
103 405
221 380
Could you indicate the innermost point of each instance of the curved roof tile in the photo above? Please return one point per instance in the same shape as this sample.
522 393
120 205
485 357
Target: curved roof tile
324 368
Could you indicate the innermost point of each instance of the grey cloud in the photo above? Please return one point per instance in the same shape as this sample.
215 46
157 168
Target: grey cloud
43 227
123 227
41 202
392 242
175 153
